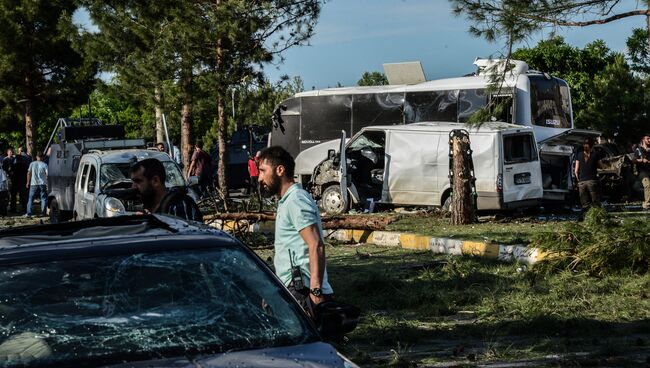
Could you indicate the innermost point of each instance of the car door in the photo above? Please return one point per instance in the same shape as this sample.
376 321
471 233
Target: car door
80 184
89 192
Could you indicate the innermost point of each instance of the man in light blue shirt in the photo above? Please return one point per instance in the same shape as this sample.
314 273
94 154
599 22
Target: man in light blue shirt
298 230
37 184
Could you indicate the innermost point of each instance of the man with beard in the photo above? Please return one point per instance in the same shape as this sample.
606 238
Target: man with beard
148 178
299 247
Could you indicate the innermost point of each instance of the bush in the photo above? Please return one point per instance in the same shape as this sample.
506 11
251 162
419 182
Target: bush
599 245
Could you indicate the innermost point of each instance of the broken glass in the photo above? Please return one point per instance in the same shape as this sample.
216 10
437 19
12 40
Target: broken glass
143 306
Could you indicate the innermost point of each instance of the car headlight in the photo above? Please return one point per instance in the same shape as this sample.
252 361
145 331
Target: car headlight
114 205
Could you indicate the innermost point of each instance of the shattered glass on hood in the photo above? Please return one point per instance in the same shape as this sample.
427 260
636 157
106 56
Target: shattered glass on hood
142 306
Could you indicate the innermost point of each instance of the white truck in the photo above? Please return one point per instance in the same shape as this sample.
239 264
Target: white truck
409 165
88 173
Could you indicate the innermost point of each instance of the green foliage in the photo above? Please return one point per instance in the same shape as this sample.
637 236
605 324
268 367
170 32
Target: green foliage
40 64
639 51
372 79
605 94
600 245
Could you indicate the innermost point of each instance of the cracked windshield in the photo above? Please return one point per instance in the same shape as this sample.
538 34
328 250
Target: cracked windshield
146 305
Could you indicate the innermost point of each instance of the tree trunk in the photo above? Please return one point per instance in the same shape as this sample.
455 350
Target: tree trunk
29 128
222 172
373 223
186 130
221 119
159 112
648 21
462 211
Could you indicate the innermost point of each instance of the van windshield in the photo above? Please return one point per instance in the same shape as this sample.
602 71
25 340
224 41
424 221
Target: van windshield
519 148
119 174
550 102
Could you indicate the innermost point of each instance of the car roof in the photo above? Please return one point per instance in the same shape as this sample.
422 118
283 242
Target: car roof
130 155
103 236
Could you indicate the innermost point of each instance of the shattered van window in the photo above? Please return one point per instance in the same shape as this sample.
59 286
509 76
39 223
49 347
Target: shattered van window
142 306
117 174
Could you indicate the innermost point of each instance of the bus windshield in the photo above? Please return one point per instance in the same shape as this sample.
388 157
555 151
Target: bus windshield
550 102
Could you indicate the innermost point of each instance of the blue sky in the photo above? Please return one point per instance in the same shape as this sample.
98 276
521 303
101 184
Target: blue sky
353 36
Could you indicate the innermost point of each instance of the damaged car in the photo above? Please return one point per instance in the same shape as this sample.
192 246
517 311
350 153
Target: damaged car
144 291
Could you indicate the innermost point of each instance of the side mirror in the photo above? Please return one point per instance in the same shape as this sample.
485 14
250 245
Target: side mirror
193 180
336 160
91 187
335 319
331 153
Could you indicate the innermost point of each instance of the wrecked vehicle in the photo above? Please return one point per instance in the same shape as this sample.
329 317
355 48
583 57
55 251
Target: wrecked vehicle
409 165
81 186
144 291
103 183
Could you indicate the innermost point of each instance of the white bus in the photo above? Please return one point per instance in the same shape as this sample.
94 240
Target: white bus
307 123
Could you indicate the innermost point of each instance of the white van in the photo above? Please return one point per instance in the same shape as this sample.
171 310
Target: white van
409 165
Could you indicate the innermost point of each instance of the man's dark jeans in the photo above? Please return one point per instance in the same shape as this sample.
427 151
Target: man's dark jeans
589 193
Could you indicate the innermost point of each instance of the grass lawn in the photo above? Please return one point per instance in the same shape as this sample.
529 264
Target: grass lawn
429 310
503 231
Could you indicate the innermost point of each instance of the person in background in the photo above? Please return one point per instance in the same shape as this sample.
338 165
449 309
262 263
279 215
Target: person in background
253 174
586 172
4 192
22 151
178 158
37 184
201 166
148 179
160 146
16 168
299 247
642 161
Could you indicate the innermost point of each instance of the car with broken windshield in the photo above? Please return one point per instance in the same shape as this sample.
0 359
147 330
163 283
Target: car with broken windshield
142 291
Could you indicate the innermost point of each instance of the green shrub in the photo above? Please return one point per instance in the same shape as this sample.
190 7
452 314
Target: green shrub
599 245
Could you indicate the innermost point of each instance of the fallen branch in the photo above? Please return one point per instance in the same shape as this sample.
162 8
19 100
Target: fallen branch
329 222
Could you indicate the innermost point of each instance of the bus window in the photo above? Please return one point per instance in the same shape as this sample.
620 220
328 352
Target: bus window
431 106
501 108
323 118
469 101
376 109
549 102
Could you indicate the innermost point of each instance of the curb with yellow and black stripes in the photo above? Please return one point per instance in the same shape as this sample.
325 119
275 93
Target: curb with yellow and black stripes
506 253
501 252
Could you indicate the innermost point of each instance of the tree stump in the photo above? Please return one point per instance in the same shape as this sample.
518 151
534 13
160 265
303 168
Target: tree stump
462 210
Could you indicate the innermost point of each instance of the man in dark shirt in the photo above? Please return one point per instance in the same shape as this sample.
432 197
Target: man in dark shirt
586 171
201 166
148 178
642 161
16 168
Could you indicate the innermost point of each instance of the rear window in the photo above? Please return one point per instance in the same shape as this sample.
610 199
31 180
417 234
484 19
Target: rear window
519 148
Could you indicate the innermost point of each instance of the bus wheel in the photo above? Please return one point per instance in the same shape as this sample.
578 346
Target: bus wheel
332 201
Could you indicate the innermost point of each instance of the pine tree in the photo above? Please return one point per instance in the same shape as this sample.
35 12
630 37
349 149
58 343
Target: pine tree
40 69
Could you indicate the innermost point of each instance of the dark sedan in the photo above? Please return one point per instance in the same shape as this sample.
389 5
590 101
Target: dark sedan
142 291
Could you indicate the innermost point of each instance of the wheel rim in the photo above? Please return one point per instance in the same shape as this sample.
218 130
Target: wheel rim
332 201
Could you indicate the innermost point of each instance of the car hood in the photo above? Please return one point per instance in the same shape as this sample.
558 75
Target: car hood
315 355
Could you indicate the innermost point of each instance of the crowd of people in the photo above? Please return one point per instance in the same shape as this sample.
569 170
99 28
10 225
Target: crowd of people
22 178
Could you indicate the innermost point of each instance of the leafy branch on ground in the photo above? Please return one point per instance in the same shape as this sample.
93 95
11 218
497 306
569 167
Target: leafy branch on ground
599 245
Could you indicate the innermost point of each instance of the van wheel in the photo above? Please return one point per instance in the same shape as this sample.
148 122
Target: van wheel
55 212
332 201
446 206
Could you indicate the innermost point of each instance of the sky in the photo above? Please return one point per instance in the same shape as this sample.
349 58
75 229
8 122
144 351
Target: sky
354 36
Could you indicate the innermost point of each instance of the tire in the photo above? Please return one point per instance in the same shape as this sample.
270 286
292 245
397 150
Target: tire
331 201
55 212
446 205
